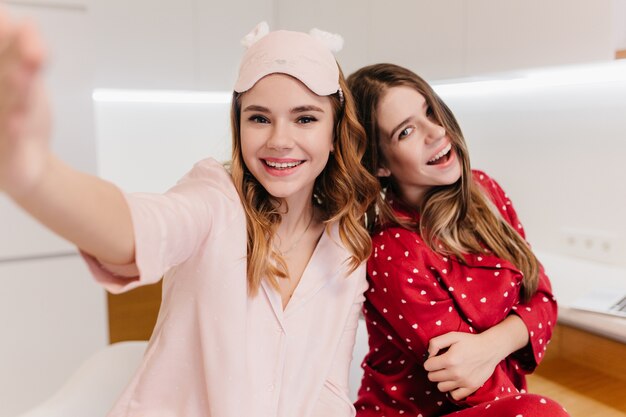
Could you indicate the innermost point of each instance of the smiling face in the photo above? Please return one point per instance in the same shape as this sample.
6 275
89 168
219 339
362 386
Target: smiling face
416 151
286 135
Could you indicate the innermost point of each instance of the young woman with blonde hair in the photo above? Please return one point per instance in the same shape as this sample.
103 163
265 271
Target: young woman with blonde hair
263 264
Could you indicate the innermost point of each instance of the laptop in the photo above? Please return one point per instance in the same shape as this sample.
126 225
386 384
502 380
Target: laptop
609 300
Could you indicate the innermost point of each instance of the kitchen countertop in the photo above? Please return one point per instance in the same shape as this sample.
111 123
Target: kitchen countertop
574 278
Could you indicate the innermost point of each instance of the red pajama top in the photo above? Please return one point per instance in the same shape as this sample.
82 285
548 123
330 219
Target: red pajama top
416 294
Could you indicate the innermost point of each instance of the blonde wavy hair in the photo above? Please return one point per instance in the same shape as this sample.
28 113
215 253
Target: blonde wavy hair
342 192
454 219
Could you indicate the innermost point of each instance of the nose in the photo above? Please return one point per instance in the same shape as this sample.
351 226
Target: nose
434 131
280 137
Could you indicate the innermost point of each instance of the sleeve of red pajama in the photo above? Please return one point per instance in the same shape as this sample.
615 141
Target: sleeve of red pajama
540 312
405 293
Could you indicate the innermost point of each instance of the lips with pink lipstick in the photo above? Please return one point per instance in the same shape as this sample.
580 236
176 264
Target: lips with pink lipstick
278 166
442 156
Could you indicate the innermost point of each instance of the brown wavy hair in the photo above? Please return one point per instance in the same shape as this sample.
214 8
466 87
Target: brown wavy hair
454 219
342 192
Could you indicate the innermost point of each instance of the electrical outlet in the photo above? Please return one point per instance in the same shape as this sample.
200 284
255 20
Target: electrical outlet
594 245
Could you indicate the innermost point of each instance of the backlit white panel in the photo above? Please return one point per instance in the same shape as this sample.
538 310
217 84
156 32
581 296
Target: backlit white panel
148 146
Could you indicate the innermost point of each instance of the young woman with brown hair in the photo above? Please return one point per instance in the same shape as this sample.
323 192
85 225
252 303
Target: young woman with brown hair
458 308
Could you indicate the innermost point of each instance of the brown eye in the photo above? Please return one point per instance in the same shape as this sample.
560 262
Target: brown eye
306 119
404 133
258 119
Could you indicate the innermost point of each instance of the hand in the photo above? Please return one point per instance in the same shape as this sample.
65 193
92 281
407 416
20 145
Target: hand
24 114
468 361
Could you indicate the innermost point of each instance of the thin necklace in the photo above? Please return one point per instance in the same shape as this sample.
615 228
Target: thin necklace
284 252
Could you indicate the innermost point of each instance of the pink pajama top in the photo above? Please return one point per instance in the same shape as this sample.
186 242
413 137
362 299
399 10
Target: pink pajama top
215 351
416 294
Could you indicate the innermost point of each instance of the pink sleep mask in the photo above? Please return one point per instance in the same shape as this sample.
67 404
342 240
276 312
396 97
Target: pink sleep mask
308 57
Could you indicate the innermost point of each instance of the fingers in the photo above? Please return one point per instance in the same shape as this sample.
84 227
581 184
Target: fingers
457 388
6 29
29 56
441 342
434 363
447 386
437 349
441 376
443 365
20 43
30 47
461 393
21 57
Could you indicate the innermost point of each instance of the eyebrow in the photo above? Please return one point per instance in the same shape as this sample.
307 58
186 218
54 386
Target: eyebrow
254 107
393 131
310 107
399 125
299 109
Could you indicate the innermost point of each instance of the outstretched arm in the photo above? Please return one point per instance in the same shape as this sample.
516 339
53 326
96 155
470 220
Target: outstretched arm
84 209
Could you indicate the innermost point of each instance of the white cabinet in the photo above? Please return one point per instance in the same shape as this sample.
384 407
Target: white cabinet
460 38
53 4
219 27
535 33
52 317
425 36
348 18
619 24
165 44
144 44
194 44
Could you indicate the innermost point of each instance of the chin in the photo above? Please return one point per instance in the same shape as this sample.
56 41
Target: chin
282 192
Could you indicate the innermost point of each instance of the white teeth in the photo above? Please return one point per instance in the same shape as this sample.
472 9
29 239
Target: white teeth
283 165
442 153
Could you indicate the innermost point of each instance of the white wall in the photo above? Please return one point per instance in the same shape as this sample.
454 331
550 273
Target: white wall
558 151
52 317
521 34
460 38
191 44
181 44
619 24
